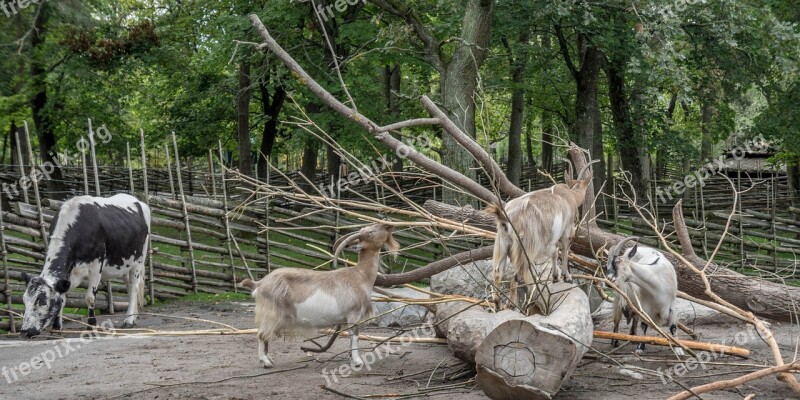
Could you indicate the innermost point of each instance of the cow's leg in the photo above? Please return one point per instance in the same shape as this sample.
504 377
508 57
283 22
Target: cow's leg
58 323
134 286
91 290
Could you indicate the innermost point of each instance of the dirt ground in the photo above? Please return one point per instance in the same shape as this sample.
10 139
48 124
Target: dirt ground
226 367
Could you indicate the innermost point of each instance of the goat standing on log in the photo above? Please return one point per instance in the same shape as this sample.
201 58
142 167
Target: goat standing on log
649 280
292 299
530 229
93 238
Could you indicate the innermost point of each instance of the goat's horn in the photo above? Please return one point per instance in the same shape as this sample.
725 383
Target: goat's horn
617 249
585 167
340 244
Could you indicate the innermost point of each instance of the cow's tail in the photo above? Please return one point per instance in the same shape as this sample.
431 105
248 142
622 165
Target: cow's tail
140 292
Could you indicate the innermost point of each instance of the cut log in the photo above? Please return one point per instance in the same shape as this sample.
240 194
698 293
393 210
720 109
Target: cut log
519 357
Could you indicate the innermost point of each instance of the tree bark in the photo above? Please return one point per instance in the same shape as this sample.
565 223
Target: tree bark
271 110
459 79
39 101
518 64
243 117
392 79
628 141
519 357
706 147
309 163
587 129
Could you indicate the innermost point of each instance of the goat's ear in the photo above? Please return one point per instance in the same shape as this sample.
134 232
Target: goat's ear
633 250
392 246
387 227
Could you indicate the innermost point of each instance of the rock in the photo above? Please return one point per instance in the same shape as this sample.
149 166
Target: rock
404 316
687 311
471 280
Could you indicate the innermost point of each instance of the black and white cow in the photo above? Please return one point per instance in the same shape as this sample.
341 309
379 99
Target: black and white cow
91 237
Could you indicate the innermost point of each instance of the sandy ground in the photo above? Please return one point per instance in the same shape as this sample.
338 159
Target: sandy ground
226 367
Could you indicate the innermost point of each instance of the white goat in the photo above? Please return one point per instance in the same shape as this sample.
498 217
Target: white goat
294 299
530 230
649 280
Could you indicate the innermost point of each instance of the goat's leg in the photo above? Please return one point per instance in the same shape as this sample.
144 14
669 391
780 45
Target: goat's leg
354 356
673 329
617 319
500 253
263 348
565 259
640 348
322 349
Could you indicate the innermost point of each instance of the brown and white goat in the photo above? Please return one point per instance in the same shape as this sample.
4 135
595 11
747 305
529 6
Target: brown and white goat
293 299
530 230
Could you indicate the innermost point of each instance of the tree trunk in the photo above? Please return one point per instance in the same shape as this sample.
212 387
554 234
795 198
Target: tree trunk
707 145
519 357
39 101
662 154
518 67
271 110
243 120
309 163
391 88
459 79
629 144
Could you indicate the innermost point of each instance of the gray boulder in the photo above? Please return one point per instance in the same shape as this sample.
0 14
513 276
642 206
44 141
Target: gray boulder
471 280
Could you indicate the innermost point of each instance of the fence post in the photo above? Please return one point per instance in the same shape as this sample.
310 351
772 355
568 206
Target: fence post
228 233
149 237
130 166
109 294
169 172
266 218
211 174
185 212
6 291
21 165
703 218
35 179
85 173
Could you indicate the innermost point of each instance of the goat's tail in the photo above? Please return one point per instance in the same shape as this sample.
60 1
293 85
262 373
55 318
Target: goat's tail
248 284
496 211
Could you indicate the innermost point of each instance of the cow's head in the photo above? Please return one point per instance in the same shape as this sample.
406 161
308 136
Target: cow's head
43 303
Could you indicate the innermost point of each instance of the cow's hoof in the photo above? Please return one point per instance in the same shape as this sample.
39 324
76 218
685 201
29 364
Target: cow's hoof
266 362
357 363
128 324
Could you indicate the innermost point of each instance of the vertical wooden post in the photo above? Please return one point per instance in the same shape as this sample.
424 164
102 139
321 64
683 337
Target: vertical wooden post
21 166
703 218
6 290
228 233
35 179
149 237
774 194
109 294
741 217
85 173
266 218
185 212
212 175
169 172
130 166
94 160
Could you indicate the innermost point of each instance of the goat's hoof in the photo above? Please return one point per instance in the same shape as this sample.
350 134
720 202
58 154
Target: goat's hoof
357 363
679 352
128 323
615 343
267 363
638 352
